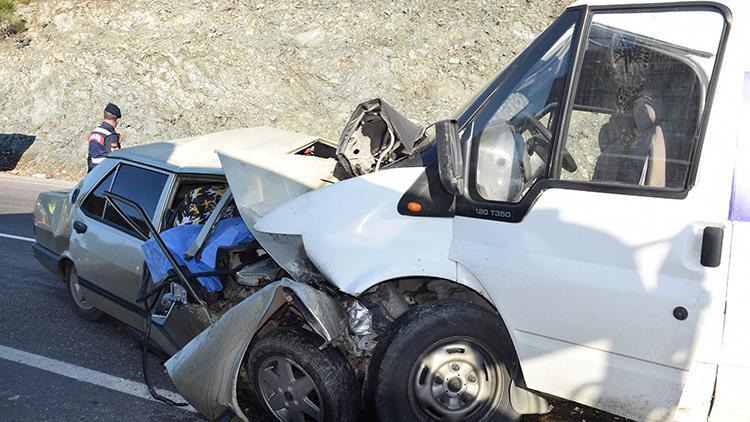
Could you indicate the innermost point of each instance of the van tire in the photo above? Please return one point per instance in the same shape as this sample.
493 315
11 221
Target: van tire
77 302
335 385
462 341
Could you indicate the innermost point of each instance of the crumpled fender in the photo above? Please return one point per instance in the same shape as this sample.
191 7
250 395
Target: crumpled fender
205 371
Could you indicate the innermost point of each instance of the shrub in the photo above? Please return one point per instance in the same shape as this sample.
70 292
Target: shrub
10 24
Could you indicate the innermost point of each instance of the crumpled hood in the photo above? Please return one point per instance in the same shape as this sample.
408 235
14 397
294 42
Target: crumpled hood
261 181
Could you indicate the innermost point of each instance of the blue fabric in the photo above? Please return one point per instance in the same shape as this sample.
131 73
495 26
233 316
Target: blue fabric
228 232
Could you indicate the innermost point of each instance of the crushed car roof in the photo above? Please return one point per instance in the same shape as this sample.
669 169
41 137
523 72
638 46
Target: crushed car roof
198 154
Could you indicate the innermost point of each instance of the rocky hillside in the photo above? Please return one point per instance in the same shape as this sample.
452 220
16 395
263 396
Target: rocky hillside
180 68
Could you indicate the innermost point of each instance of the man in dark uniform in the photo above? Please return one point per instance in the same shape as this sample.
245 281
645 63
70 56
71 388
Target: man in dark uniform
104 139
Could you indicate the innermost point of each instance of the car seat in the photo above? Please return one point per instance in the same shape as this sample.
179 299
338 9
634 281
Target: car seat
632 147
197 204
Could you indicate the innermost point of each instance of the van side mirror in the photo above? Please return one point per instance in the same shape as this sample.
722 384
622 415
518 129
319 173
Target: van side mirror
450 159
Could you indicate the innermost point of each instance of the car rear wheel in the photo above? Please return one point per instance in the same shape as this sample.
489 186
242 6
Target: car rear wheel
296 381
444 361
78 298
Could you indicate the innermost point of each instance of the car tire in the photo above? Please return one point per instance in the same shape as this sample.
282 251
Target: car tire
442 361
291 377
77 300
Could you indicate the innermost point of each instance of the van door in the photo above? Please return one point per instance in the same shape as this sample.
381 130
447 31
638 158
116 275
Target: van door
107 251
599 240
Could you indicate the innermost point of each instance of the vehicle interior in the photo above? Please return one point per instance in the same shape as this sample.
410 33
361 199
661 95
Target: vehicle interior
195 196
193 199
651 94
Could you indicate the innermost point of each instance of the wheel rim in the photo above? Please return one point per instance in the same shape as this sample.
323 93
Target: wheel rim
455 379
76 293
289 391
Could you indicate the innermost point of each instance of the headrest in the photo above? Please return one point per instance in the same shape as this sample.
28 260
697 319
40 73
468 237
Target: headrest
644 113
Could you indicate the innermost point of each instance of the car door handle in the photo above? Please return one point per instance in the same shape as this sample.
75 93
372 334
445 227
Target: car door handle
79 227
711 249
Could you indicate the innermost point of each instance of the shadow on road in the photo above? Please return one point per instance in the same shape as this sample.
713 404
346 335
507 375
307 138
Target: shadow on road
12 148
18 224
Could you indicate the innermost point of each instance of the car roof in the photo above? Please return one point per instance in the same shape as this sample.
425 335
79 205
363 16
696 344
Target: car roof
198 154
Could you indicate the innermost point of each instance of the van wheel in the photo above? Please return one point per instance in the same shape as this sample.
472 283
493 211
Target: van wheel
445 361
295 381
77 299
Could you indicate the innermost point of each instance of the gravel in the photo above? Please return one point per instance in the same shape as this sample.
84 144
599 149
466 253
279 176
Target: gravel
187 67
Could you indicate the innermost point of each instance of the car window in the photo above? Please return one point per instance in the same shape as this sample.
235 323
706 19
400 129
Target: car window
641 95
512 134
140 185
95 203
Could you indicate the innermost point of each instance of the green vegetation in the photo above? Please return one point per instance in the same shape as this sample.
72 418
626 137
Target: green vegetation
10 24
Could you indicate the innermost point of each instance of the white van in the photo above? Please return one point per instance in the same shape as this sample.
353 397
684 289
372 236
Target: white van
577 231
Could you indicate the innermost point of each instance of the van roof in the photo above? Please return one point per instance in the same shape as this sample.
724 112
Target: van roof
728 3
733 5
198 154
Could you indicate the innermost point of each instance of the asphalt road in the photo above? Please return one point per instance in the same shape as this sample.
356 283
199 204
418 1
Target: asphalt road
38 328
56 366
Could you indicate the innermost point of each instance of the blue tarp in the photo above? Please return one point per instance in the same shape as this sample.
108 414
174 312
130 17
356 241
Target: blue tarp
228 232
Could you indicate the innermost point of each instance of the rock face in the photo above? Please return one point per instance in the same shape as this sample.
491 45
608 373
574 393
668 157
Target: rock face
183 68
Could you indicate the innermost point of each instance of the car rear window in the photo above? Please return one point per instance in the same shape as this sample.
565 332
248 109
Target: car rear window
140 185
95 203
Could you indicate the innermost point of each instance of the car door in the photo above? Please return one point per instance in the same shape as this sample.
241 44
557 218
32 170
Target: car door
106 249
594 259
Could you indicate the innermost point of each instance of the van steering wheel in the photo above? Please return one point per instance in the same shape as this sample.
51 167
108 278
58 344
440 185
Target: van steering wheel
541 140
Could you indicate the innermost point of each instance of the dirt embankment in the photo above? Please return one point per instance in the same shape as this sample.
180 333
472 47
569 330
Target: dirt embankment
187 67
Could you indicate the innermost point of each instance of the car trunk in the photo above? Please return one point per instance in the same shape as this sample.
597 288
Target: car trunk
51 215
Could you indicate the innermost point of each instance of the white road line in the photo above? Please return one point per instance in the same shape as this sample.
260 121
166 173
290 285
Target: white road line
86 375
14 237
39 182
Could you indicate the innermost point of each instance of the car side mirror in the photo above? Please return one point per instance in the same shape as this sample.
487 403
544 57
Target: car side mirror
450 159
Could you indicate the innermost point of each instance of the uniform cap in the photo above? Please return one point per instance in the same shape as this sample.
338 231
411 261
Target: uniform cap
113 110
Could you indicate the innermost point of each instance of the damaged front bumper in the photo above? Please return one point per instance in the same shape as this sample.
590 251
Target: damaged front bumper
206 370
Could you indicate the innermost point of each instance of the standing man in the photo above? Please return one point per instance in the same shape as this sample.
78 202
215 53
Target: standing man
104 139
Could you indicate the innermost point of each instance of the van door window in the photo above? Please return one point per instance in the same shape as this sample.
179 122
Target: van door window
512 134
641 95
140 185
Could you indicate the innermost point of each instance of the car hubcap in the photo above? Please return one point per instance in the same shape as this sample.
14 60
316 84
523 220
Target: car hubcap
76 293
289 391
454 380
